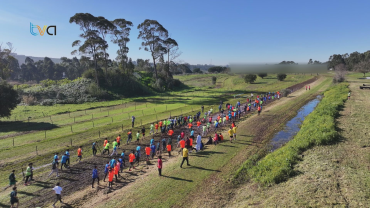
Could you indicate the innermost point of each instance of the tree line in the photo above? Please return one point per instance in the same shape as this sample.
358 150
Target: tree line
355 61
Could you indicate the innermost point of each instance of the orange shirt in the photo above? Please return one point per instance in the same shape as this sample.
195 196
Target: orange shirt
182 143
105 142
218 118
168 148
156 126
115 170
132 157
170 132
110 176
118 139
227 118
79 152
190 125
248 108
198 123
128 132
191 142
147 150
233 125
222 137
259 108
160 123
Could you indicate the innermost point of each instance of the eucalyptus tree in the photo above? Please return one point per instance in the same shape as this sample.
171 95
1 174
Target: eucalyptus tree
93 43
120 36
153 35
104 27
169 44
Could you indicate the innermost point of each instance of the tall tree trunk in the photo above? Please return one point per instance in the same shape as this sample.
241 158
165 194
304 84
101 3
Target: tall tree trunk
155 68
96 71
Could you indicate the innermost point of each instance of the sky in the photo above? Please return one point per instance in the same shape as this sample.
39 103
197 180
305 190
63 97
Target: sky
207 31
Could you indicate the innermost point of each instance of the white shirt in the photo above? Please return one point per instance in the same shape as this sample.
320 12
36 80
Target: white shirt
57 189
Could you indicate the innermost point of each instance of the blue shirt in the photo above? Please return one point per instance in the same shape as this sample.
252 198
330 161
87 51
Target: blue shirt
93 145
192 133
67 153
115 148
153 148
123 155
64 159
152 141
95 173
113 163
106 168
138 148
55 158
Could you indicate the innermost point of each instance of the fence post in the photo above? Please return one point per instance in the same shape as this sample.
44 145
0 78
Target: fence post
74 119
93 124
36 151
112 119
71 129
99 134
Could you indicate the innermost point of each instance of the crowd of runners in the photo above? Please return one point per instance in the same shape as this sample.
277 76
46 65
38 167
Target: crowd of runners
201 123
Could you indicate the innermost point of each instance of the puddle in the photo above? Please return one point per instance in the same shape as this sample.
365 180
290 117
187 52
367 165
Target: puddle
293 126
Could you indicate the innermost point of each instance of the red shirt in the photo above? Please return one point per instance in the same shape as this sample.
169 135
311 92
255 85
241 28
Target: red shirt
118 139
190 125
168 148
191 142
182 144
110 176
105 142
170 132
132 157
156 126
233 125
147 150
182 135
159 163
198 123
79 152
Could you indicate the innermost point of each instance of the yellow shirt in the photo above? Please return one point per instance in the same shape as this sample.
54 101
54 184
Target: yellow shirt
234 130
185 152
230 132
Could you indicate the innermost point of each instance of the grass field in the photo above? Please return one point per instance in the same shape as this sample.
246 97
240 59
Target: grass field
112 118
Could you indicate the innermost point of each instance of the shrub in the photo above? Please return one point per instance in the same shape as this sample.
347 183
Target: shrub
318 128
214 79
281 76
262 75
29 100
250 78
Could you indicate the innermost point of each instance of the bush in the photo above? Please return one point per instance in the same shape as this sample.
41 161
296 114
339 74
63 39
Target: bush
8 99
262 75
214 79
48 82
29 100
318 128
250 78
281 77
218 69
197 70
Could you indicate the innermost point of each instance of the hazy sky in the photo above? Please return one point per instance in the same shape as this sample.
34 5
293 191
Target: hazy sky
214 31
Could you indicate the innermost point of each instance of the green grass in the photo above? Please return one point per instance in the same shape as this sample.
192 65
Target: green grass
318 128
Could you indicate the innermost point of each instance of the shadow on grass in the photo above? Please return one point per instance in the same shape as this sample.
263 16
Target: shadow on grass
27 193
201 168
21 126
178 179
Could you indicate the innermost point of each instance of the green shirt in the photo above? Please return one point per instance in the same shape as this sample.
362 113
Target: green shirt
151 127
224 119
28 171
191 120
114 144
204 128
106 146
208 124
137 135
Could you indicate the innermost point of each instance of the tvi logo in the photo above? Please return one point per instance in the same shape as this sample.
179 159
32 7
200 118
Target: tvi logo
42 31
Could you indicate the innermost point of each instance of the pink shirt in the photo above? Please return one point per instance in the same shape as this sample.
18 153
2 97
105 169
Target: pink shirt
159 163
118 165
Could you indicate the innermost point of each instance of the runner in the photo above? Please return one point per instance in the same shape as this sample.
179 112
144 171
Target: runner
137 155
143 132
199 141
137 137
170 132
110 178
185 154
116 171
151 129
123 157
64 161
306 88
152 148
79 154
231 134
106 170
309 87
169 147
181 145
221 137
204 130
198 124
234 131
118 139
114 152
112 163
54 169
129 138
133 121
56 159
182 135
156 127
12 180
202 108
190 125
95 176
120 160
14 198
163 144
28 174
106 148
160 165
259 109
105 142
147 153
93 148
132 158
349 95
68 155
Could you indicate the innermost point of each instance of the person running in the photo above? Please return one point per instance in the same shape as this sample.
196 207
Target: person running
169 148
152 148
28 174
137 155
259 109
114 151
190 125
56 159
68 157
132 158
64 161
106 170
163 130
170 132
202 108
234 132
151 129
147 153
54 169
208 126
199 141
137 137
118 140
231 134
110 177
58 192
181 144
156 127
159 165
79 154
94 148
143 132
14 198
95 176
12 180
182 135
204 130
309 87
105 142
349 95
185 154
116 171
106 148
221 137
133 121
198 124
123 157
120 160
129 138
158 152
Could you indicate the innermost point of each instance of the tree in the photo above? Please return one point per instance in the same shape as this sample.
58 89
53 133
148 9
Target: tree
214 79
153 34
104 27
335 60
197 70
340 73
262 75
250 78
169 44
218 69
281 76
93 44
310 61
362 67
8 99
120 37
5 59
288 62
